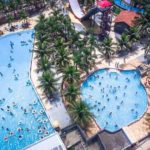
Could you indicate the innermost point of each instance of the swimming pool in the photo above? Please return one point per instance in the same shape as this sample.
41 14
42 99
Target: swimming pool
128 7
117 98
23 119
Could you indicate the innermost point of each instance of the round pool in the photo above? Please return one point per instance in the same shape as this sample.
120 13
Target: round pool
117 98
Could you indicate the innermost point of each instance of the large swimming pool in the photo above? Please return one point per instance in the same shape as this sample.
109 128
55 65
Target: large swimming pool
23 120
117 98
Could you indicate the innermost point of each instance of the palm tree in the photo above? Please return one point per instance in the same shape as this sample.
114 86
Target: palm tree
106 49
71 92
124 43
62 58
133 33
42 49
10 19
70 74
44 64
80 113
23 16
48 83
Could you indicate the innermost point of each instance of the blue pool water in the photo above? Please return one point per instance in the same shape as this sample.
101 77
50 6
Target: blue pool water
127 7
23 120
117 98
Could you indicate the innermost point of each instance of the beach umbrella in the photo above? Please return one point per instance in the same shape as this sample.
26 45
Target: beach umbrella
104 3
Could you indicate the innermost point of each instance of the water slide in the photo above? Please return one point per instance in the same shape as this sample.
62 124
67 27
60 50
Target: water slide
78 12
76 9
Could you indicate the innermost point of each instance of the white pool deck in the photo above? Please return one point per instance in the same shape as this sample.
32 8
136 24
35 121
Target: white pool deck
51 143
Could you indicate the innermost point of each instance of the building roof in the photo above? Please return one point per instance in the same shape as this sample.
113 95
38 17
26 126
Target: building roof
127 17
114 141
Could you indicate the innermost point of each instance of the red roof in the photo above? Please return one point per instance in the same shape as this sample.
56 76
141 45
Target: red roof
127 17
104 3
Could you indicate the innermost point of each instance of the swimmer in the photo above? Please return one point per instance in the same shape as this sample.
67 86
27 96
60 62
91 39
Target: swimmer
3 117
103 108
14 104
8 110
30 50
108 99
110 113
11 44
121 102
124 94
27 129
8 107
91 87
128 80
11 133
47 133
28 83
14 70
125 86
136 93
98 109
136 112
19 129
99 83
11 114
95 105
5 138
7 129
2 109
116 97
10 90
19 123
134 76
20 137
116 126
132 109
25 111
118 107
15 78
1 74
9 65
99 103
11 59
90 96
